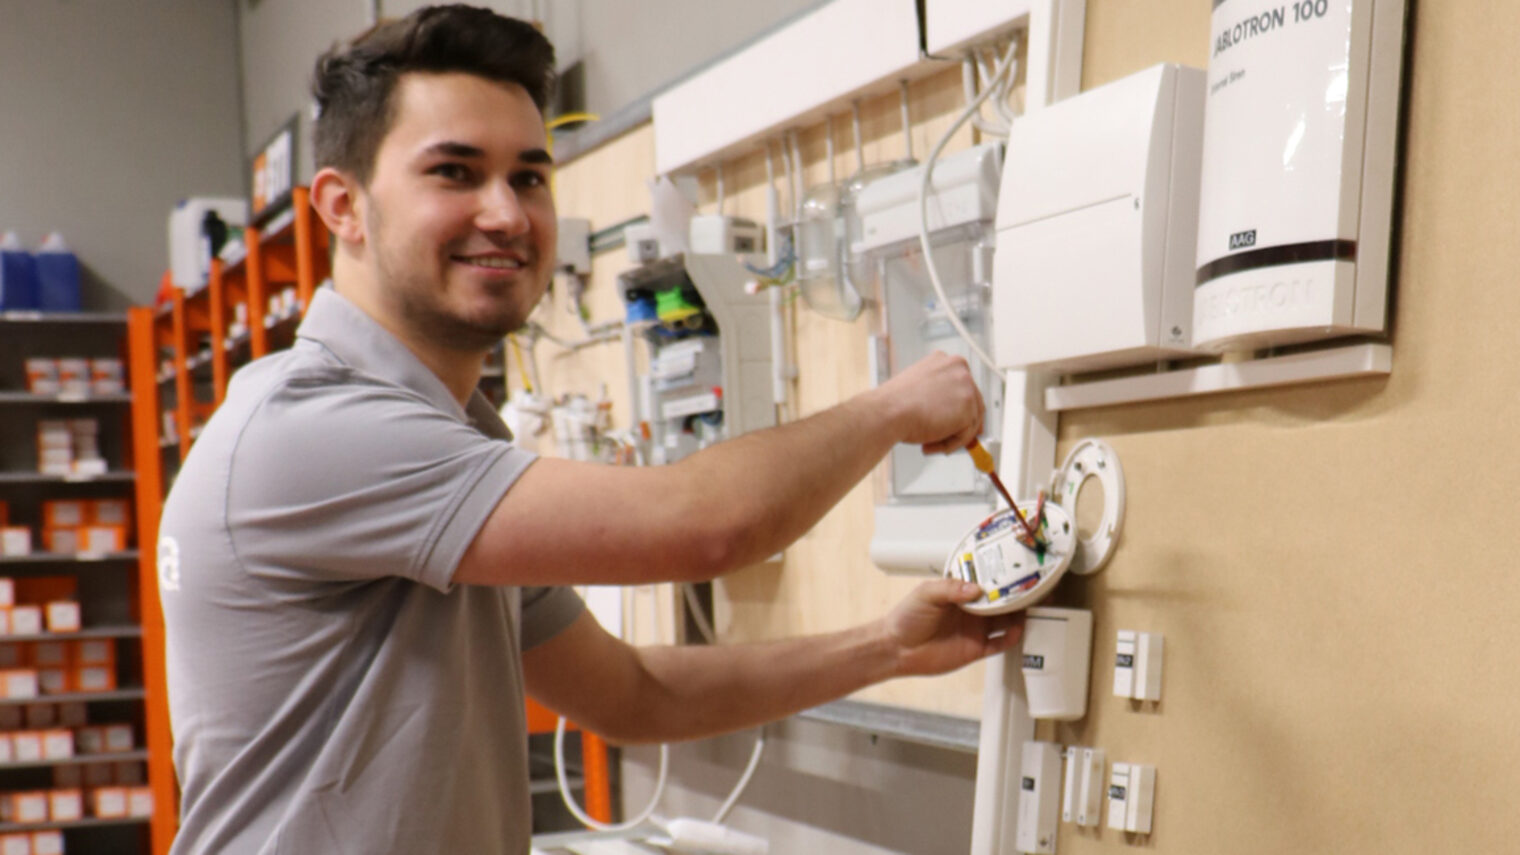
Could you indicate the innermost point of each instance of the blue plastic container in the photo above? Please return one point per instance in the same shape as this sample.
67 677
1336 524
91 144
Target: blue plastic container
18 276
58 276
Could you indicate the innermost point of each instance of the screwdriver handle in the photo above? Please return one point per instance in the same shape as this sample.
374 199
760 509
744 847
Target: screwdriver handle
981 457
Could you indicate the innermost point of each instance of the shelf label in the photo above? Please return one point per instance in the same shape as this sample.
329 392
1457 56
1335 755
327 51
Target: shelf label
72 398
91 556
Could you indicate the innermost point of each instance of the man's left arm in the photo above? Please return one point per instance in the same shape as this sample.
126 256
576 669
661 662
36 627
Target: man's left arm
658 694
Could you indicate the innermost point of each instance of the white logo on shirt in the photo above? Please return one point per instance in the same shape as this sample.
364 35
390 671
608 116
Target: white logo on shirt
168 564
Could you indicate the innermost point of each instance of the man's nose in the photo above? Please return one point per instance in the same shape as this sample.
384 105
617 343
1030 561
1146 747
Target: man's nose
501 211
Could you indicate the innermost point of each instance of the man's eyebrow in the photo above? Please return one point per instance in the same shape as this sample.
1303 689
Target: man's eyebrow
454 149
536 156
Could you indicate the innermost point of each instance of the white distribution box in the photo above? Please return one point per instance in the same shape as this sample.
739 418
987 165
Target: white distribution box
1097 223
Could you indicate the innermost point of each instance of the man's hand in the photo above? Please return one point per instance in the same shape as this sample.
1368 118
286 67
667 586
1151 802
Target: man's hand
932 634
936 403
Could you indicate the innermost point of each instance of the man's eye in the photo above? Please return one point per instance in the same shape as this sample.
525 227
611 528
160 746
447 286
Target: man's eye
451 171
530 179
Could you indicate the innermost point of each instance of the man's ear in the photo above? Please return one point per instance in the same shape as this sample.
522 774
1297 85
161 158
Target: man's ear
335 196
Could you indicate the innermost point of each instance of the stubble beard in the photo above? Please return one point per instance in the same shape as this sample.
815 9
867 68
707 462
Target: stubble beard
423 311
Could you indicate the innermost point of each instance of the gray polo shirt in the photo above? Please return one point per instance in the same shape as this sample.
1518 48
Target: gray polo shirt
330 690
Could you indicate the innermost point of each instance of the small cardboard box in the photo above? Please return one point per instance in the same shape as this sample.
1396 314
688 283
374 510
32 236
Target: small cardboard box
61 541
73 376
119 738
109 802
107 377
16 844
91 740
100 539
49 842
64 513
94 678
29 806
18 683
15 540
57 744
42 375
27 745
7 748
50 654
8 585
54 681
62 616
139 801
95 651
26 620
65 805
111 512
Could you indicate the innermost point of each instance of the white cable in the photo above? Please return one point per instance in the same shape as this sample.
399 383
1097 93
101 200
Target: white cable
923 211
907 126
797 176
860 145
697 616
575 809
828 146
968 87
1003 107
749 772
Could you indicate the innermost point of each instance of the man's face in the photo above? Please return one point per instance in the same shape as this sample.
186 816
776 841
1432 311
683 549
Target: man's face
458 218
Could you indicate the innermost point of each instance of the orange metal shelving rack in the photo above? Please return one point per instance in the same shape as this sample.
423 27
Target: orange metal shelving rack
289 253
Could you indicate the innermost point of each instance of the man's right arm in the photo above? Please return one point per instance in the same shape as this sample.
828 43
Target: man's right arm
725 507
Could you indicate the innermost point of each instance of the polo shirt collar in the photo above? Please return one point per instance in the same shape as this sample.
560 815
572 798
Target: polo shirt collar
362 343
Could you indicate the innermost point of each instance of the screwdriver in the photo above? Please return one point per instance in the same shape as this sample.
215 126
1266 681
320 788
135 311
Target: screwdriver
982 459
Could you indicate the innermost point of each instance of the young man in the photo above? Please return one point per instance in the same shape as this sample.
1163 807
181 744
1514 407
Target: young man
361 575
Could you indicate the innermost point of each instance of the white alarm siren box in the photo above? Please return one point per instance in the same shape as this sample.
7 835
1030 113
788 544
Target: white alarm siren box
1296 202
1097 226
1057 662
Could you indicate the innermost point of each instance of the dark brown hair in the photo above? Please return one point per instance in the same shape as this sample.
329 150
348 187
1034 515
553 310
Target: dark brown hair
353 82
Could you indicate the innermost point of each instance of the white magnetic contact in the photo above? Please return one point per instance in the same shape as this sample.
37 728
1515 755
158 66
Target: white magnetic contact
1093 458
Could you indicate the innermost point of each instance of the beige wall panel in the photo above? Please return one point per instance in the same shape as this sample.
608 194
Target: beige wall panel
1332 566
1121 37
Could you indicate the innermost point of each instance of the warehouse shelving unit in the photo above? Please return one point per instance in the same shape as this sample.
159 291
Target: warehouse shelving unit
105 584
182 356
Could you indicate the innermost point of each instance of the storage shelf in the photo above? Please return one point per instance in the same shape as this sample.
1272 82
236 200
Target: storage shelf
21 316
8 827
79 760
69 557
78 697
32 398
124 631
119 476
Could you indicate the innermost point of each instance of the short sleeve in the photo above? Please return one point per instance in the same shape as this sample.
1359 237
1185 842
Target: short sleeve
546 612
360 480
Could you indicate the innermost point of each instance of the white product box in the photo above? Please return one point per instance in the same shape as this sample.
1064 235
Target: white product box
63 616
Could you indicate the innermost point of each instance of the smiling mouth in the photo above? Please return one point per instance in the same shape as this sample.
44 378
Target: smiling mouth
492 262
